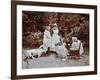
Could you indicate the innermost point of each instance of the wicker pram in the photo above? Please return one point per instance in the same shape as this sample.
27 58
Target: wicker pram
74 54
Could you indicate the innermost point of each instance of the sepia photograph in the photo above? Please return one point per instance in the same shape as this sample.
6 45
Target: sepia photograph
51 39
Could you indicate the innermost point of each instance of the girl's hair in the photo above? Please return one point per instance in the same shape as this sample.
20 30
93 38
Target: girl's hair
51 32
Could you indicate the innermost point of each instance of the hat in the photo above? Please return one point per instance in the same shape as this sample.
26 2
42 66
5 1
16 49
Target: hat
55 24
47 27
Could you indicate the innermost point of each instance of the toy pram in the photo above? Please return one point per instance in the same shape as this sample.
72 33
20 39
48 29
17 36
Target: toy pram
74 54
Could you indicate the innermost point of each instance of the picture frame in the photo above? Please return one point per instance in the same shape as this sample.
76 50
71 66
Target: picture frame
17 8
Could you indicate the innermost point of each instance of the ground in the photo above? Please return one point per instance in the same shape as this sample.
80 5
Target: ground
52 61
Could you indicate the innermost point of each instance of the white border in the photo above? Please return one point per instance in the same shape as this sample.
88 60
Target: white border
21 71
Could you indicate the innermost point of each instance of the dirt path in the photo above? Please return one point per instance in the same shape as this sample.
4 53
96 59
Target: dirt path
52 61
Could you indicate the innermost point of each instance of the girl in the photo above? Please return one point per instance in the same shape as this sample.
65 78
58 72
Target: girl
47 38
55 37
61 50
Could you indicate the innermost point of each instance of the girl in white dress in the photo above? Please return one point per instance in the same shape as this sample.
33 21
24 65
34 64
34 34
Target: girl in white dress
61 50
47 37
55 37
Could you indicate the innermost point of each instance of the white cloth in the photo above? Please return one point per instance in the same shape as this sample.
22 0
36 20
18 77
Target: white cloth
76 44
47 38
81 49
55 37
61 51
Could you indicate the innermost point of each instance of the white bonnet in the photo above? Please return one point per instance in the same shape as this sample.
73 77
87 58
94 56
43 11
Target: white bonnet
74 38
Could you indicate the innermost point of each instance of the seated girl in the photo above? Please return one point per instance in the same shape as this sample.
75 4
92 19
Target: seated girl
61 50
